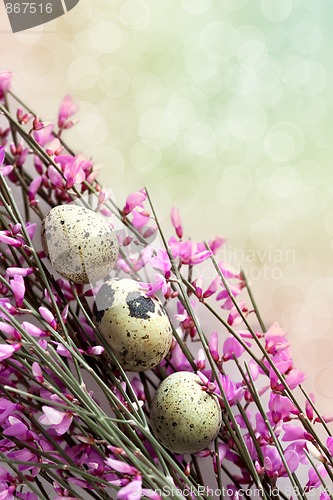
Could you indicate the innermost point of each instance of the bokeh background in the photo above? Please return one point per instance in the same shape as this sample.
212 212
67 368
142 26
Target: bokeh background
222 108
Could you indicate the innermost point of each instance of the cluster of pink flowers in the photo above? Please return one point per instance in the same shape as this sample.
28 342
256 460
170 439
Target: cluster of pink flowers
46 423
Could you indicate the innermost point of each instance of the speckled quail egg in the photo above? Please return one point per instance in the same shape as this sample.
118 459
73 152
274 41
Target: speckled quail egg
79 243
135 326
184 417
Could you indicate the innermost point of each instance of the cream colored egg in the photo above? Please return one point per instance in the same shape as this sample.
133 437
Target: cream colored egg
184 418
135 326
79 243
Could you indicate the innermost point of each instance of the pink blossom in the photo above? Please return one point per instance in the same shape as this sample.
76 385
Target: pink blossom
9 308
48 317
19 152
190 255
161 262
55 176
308 408
101 198
140 219
324 496
294 378
31 229
19 271
44 135
232 391
143 258
23 117
198 284
329 444
6 170
96 350
57 420
293 433
74 171
67 109
6 350
186 321
18 289
275 339
215 244
54 148
176 222
273 464
179 361
5 82
9 240
201 359
207 385
222 452
234 317
2 154
160 283
132 491
134 200
121 466
27 496
315 477
37 372
212 287
138 388
33 330
7 408
213 346
224 295
299 447
231 348
61 350
33 189
16 428
8 329
280 407
37 123
6 492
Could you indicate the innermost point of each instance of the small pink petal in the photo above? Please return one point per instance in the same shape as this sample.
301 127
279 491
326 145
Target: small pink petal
32 330
6 351
132 491
19 271
176 222
47 316
64 425
37 372
96 350
18 289
120 466
134 200
51 416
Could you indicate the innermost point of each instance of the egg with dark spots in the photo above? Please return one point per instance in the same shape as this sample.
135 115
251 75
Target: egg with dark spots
184 417
79 243
135 326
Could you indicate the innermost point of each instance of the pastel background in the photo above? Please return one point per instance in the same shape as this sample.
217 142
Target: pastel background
222 108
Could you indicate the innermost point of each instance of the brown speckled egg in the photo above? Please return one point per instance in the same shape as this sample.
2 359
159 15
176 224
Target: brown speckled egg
135 326
79 243
184 418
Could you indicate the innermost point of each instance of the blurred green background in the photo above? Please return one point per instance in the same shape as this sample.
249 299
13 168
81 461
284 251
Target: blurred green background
222 108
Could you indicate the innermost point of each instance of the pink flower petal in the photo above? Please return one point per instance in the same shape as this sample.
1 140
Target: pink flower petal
6 351
51 416
132 491
18 289
120 466
134 200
